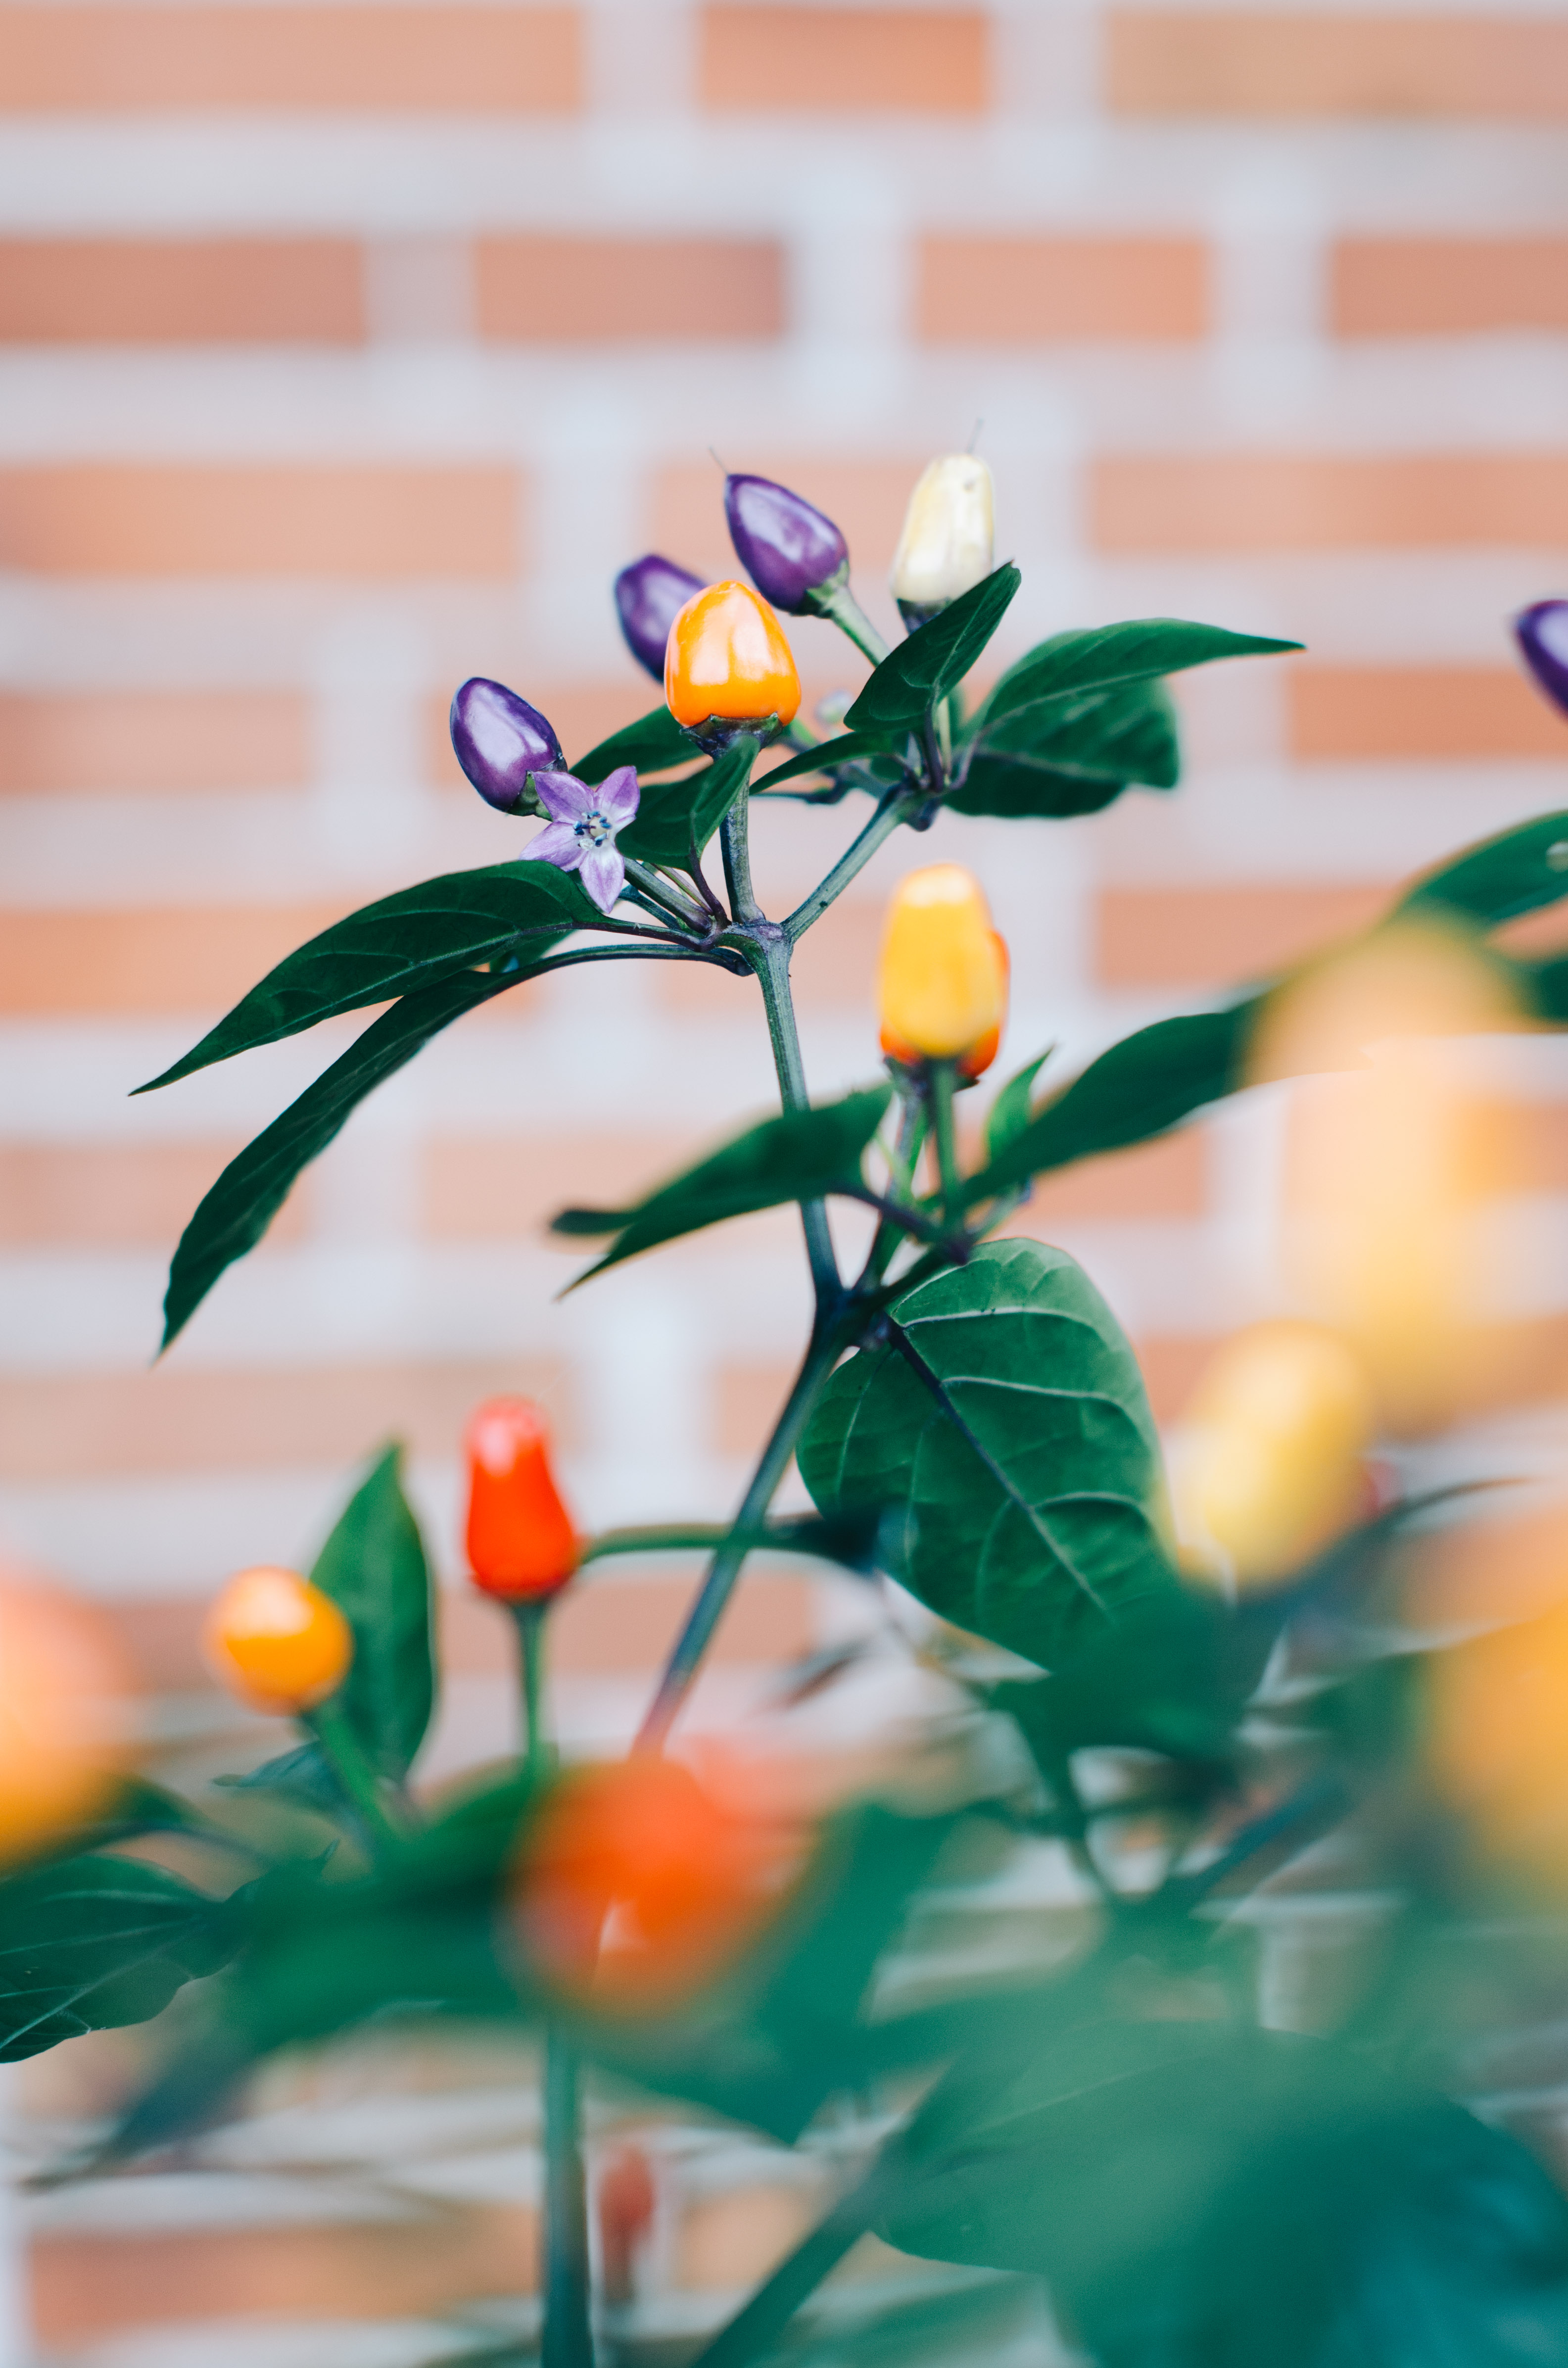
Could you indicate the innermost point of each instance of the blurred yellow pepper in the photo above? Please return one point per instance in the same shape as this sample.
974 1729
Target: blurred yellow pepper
942 986
276 1641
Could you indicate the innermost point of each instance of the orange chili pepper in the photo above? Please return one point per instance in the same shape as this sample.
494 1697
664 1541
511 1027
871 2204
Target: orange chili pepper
943 982
276 1641
521 1543
62 1685
727 660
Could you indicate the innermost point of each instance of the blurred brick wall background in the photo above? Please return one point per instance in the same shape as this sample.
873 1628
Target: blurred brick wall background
349 348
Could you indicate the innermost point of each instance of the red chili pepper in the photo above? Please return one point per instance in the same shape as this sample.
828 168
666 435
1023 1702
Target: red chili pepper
521 1543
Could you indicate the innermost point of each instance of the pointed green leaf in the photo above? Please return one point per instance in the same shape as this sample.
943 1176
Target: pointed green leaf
1071 756
90 1943
405 943
1137 651
252 1187
1005 1418
1010 1111
933 660
1518 871
673 814
654 744
801 1156
844 748
373 1566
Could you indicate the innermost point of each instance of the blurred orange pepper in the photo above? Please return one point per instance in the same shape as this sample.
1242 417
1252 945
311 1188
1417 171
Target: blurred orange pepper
942 986
521 1543
1498 1742
61 1686
727 660
276 1641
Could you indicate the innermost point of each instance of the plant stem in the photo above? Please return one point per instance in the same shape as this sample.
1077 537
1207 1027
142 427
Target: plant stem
759 2322
725 1567
665 893
943 1077
767 949
329 1723
530 1619
852 621
895 806
736 841
568 2340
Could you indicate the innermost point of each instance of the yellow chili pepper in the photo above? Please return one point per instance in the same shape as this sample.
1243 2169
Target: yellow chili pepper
276 1641
943 982
727 660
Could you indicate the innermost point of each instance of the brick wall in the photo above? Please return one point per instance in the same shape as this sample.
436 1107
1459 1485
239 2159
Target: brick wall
348 350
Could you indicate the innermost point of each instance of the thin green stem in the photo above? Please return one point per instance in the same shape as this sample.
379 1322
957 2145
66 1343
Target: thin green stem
768 951
725 1567
895 806
944 1075
759 2324
734 839
665 894
568 2340
906 1151
852 621
340 1746
530 1620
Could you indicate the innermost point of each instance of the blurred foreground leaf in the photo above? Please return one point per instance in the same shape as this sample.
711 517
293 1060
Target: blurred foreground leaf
90 1943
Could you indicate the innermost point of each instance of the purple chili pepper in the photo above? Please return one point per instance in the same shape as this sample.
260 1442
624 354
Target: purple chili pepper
647 596
500 740
790 552
1541 631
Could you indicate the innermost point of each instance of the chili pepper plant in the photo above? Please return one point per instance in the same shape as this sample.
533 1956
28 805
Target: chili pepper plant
1125 2120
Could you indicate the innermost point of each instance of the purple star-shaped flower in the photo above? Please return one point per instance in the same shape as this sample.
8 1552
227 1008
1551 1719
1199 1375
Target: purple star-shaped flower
579 833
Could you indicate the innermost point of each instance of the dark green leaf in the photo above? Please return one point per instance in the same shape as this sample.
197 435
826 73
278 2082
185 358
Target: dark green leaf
654 744
407 941
1137 651
1172 1676
673 813
933 660
1136 1089
1518 871
845 748
374 1567
304 1774
89 1944
1010 1111
1071 756
1006 1419
801 1156
252 1187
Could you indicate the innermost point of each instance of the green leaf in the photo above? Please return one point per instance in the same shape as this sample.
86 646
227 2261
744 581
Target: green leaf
845 748
653 744
1137 651
1071 756
407 941
1173 1676
933 660
373 1566
90 1943
1010 1111
1136 1089
673 814
1518 871
802 1155
1005 1418
304 1774
252 1187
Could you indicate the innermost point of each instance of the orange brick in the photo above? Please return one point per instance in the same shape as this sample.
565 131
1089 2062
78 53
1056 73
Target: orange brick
1459 711
155 740
1245 501
746 1399
132 520
111 1196
1028 291
187 1418
544 290
1445 287
485 1188
874 60
186 958
866 498
116 60
174 292
1166 1179
1171 1371
1192 937
1225 62
836 966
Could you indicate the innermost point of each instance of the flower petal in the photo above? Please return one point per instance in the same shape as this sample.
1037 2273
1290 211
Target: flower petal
603 875
619 796
564 797
557 843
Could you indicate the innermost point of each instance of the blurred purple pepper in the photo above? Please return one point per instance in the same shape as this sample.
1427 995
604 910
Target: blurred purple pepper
500 740
1541 631
790 552
647 596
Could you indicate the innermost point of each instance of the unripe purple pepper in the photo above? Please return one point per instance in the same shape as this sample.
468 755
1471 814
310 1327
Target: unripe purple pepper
791 552
1541 631
648 595
500 740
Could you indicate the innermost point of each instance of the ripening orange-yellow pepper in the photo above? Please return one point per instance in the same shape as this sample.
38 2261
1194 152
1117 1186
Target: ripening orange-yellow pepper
62 1693
521 1543
1497 1744
276 1641
635 1884
726 661
942 987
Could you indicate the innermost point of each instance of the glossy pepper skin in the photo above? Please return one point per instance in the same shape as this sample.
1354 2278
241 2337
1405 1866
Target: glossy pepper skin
521 1543
499 740
942 983
791 552
1541 631
946 546
728 664
276 1641
647 596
